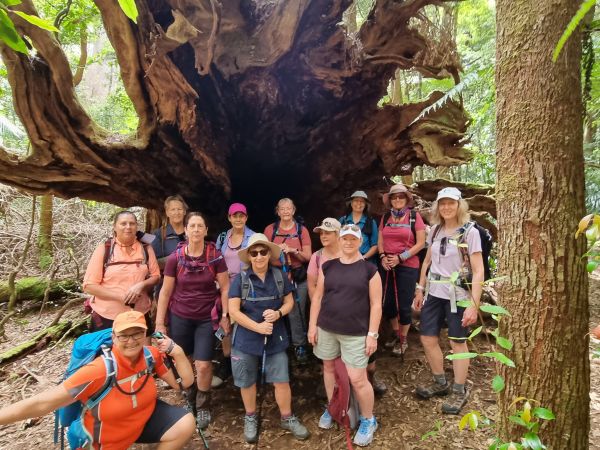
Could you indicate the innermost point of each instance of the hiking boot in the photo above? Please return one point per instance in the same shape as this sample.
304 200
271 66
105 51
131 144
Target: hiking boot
366 430
433 389
295 426
379 386
203 418
400 347
455 402
326 421
392 342
301 355
250 428
190 399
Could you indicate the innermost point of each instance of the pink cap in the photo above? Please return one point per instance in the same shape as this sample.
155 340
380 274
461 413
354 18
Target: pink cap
237 208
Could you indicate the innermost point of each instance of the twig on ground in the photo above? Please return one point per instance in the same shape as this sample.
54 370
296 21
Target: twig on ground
65 307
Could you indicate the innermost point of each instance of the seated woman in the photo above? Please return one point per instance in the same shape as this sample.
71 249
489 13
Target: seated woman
445 256
125 418
344 321
189 293
259 298
120 274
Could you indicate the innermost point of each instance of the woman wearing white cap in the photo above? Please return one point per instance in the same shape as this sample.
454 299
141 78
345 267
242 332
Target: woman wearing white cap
344 322
358 214
446 255
401 237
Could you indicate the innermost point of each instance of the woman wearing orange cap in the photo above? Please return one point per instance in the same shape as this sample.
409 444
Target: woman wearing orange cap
131 411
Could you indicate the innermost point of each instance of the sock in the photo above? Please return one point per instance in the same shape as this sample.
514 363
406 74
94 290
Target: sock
458 388
251 414
440 379
287 416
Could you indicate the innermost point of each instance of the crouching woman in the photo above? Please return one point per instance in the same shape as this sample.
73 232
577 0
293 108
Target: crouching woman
259 298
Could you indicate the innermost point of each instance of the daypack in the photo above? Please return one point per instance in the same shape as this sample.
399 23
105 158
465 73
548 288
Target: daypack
85 350
343 406
109 248
210 250
247 286
298 233
412 220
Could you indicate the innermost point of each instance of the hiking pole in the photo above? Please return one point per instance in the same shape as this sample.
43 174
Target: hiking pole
262 389
171 365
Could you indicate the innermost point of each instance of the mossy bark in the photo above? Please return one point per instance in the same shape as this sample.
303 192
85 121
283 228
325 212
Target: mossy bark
33 288
37 342
45 232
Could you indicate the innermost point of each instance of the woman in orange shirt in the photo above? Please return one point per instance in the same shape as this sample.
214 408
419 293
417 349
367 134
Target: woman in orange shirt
120 274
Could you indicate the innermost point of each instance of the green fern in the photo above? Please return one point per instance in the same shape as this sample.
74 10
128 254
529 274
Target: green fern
572 26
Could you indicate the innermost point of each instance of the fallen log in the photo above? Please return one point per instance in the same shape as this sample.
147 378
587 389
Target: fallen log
39 341
33 288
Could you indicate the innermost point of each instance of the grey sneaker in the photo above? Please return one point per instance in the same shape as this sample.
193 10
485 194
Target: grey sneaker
203 418
250 428
455 402
294 425
433 389
326 421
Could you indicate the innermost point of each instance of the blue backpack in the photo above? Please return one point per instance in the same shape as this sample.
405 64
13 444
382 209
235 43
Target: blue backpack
85 350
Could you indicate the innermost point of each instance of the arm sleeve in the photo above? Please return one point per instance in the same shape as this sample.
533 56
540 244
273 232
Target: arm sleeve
374 233
268 231
312 265
473 241
287 285
87 380
171 265
93 272
156 243
306 237
220 265
419 224
159 360
153 269
235 287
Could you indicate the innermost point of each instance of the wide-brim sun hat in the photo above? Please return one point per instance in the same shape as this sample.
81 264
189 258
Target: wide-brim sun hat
398 189
449 192
359 194
328 224
256 239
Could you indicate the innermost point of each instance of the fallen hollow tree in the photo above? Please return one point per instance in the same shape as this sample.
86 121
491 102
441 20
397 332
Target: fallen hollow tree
33 288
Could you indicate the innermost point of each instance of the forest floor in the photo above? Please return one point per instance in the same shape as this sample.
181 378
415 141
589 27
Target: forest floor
405 421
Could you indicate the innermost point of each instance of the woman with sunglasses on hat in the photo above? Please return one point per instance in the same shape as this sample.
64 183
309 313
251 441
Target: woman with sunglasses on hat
443 259
120 274
344 321
190 295
259 298
401 237
130 412
358 214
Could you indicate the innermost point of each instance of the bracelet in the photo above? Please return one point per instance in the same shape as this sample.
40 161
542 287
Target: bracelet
404 255
420 288
171 347
381 255
280 313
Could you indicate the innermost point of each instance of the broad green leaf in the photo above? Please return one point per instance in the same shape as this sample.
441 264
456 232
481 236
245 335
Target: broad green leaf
543 413
473 421
591 234
475 332
10 2
463 421
130 9
464 303
8 33
526 414
498 384
591 266
37 21
467 355
572 26
493 309
532 441
453 277
518 421
500 357
504 343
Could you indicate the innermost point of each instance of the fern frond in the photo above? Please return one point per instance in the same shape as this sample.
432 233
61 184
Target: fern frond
10 129
572 26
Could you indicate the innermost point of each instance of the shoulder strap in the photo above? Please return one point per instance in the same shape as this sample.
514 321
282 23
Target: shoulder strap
275 229
109 246
299 232
412 220
278 280
436 230
386 217
180 257
111 372
163 237
145 253
318 258
221 240
245 284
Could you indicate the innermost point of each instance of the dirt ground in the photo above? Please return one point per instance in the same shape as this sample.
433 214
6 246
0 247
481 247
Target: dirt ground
405 422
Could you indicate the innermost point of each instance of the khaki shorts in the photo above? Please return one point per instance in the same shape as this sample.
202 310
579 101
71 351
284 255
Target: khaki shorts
350 348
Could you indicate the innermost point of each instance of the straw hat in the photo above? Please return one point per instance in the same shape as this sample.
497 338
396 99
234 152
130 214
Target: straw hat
398 189
256 239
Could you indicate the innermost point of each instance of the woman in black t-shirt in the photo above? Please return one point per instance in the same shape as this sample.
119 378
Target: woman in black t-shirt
344 318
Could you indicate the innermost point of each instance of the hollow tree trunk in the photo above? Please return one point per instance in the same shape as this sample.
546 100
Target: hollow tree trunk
245 100
540 194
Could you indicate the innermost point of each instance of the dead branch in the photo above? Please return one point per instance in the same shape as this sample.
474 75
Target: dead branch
66 306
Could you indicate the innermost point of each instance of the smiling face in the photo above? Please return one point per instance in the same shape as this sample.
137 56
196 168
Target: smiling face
328 237
286 210
130 342
398 201
448 208
175 212
238 220
125 228
358 205
350 245
259 257
196 229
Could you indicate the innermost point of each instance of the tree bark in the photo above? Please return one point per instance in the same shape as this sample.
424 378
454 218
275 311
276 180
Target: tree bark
45 231
540 196
33 288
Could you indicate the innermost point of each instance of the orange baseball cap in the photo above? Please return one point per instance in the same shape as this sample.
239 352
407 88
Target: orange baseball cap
129 319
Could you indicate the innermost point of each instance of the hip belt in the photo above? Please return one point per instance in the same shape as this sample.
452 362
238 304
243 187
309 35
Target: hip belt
437 277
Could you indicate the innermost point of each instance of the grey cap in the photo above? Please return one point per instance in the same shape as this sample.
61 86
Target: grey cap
359 194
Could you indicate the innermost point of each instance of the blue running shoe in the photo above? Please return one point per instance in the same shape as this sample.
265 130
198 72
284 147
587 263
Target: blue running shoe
326 421
366 430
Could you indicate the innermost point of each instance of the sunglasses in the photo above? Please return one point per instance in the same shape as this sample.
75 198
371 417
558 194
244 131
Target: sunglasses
135 337
262 252
351 227
397 196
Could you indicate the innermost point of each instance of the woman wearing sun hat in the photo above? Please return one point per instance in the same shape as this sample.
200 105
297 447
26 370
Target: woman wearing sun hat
358 213
401 237
444 257
259 298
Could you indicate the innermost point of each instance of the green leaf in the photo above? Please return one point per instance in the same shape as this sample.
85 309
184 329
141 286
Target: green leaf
494 309
591 266
532 441
518 421
504 343
498 384
8 34
475 332
543 413
467 355
464 303
130 9
500 357
572 26
37 21
10 2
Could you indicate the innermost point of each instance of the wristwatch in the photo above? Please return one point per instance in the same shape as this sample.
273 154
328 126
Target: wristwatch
372 334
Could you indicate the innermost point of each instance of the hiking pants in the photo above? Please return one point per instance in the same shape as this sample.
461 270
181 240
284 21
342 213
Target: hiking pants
406 281
297 316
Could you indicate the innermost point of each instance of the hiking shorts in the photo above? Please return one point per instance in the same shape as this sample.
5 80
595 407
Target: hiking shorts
195 337
246 368
437 310
350 348
161 421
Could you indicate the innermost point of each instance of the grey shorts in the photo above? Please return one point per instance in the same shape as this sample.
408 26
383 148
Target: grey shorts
350 348
246 368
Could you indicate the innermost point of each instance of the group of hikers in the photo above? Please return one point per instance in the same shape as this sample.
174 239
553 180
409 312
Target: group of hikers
267 295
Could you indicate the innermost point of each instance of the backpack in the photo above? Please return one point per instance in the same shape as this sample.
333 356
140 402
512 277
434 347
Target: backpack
368 227
412 220
247 286
343 406
85 350
298 234
210 250
109 248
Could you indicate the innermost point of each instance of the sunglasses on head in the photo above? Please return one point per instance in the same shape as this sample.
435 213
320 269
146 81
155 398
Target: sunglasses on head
351 227
261 252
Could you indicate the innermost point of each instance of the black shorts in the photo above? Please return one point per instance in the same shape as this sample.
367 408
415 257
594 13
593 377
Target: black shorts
435 310
195 337
162 419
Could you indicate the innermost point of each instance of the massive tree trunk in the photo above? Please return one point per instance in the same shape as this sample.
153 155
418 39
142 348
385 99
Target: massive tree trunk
540 195
243 99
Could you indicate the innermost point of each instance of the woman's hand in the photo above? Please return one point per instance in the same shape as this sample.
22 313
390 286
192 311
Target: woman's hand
469 316
312 335
371 346
134 293
418 300
225 323
392 261
167 345
270 315
161 328
265 328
